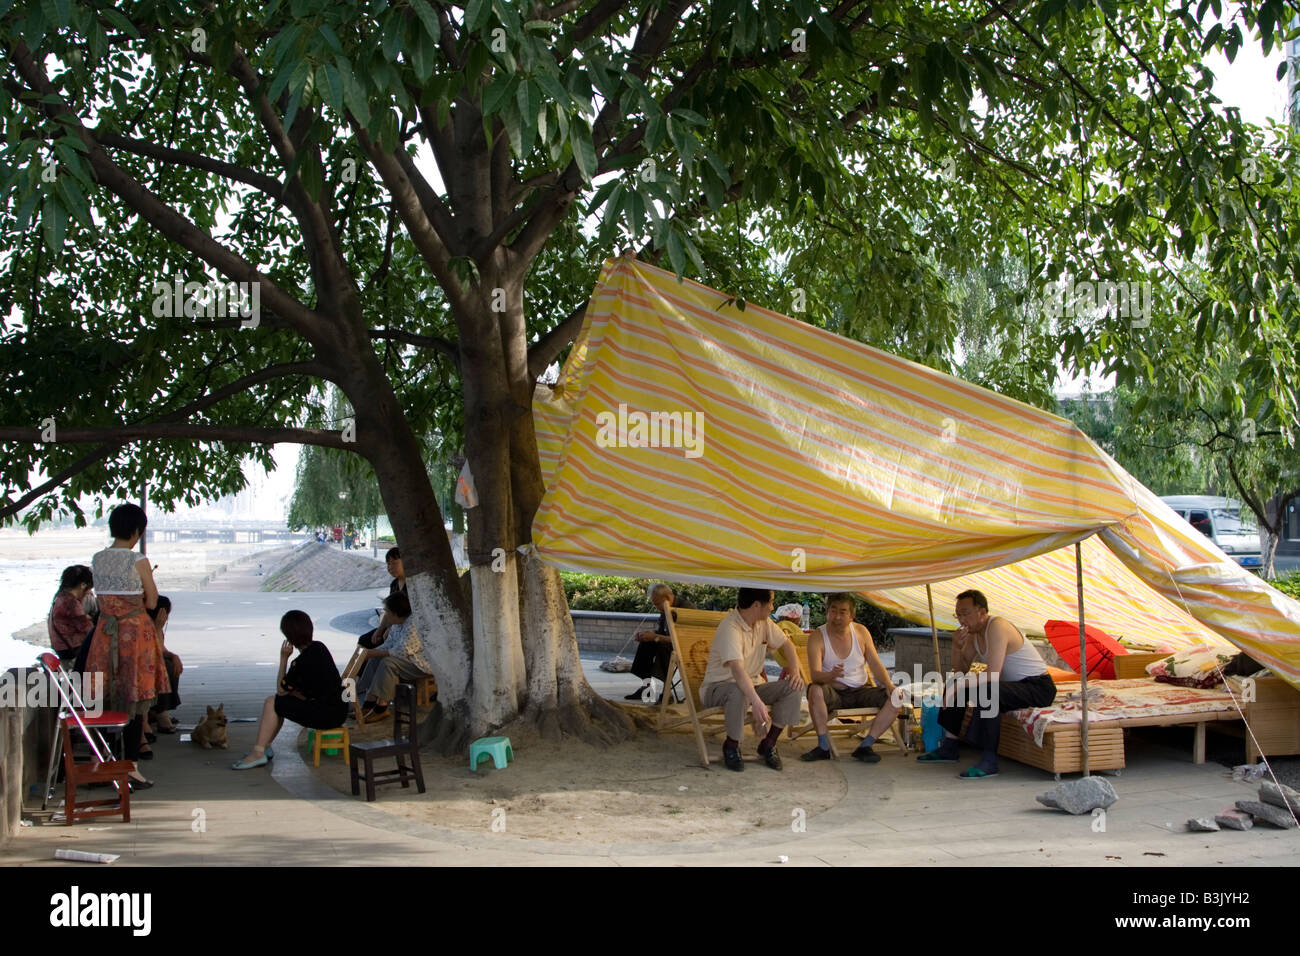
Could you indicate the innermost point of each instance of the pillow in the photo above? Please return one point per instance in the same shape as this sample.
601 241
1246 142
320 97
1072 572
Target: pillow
1193 667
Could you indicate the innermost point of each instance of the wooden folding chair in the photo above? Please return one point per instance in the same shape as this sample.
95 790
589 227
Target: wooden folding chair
692 636
353 671
838 725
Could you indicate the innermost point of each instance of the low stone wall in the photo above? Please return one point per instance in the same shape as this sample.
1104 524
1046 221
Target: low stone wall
610 631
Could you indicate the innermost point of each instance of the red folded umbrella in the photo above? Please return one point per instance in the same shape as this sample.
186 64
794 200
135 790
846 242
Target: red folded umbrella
1102 648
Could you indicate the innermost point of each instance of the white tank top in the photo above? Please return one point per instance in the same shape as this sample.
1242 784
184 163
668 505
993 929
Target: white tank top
855 665
1026 662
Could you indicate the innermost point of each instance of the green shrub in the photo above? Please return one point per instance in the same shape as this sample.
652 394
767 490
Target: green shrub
1288 583
604 592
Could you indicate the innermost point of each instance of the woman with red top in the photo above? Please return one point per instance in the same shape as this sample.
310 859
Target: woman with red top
68 623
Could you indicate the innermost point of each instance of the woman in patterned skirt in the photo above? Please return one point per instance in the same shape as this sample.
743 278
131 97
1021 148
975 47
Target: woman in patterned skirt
125 646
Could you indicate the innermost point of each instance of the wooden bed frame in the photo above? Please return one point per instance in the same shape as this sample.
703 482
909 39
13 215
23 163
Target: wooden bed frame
1273 718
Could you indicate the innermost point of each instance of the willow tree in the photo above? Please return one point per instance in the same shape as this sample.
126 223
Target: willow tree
387 177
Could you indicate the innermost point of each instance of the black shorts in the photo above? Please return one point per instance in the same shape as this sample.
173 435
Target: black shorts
311 713
841 698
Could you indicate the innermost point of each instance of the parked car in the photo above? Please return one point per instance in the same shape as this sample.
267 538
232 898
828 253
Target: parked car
1224 522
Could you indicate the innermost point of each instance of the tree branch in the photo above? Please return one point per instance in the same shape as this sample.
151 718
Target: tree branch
545 349
194 160
434 342
11 508
160 430
152 209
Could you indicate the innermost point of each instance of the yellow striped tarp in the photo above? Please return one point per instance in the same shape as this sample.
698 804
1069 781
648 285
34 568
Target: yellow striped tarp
691 440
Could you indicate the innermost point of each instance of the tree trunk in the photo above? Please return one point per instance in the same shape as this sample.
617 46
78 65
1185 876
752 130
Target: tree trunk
526 663
1268 549
439 605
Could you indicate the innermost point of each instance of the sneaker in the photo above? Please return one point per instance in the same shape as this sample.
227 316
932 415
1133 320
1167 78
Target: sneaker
866 755
816 754
732 760
772 759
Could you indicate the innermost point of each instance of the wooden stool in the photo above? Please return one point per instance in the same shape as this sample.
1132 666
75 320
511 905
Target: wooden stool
338 734
426 688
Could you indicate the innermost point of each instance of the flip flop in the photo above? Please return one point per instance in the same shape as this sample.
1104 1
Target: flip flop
976 773
935 756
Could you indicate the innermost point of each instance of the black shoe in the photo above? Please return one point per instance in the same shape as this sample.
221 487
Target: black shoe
771 758
733 760
135 785
636 694
150 738
816 754
866 755
145 755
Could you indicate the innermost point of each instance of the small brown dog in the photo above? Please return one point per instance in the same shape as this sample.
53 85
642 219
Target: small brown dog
212 731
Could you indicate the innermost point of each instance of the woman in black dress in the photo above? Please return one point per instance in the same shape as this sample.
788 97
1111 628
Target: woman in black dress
309 693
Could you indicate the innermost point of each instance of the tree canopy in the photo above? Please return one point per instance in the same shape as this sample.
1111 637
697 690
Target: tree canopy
412 199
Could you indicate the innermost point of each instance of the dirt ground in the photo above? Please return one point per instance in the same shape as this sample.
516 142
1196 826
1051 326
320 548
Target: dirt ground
649 788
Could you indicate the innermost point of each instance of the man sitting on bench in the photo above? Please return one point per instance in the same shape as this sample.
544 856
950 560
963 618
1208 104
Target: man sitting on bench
839 653
740 644
1016 677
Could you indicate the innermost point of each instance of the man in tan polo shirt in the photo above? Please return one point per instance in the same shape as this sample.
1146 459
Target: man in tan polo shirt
735 673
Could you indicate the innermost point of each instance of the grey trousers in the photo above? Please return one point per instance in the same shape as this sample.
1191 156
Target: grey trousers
782 702
380 677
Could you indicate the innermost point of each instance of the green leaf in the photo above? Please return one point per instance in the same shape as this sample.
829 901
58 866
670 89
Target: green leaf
353 94
391 44
584 152
331 38
75 201
477 13
54 225
119 21
676 254
428 19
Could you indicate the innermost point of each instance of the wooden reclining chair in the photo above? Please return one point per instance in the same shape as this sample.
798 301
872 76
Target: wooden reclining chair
692 636
850 723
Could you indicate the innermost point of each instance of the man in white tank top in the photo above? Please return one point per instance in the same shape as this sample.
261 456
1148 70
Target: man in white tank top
839 655
1016 674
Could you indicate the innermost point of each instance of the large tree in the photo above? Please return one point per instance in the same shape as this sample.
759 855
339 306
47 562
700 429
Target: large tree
389 176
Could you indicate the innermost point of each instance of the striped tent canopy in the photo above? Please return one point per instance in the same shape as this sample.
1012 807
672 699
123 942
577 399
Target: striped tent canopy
690 440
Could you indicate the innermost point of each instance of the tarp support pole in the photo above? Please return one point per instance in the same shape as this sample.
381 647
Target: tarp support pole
1083 658
934 631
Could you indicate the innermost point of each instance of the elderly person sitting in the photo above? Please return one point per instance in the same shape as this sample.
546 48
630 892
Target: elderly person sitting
400 659
654 648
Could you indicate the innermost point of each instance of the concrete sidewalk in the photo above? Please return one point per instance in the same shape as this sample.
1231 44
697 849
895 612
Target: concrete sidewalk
895 813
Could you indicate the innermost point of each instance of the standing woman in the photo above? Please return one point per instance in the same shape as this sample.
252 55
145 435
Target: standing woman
69 624
125 647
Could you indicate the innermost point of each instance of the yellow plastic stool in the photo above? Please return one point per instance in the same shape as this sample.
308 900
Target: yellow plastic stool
314 738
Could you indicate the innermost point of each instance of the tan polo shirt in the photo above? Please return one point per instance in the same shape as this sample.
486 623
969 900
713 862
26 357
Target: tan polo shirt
736 641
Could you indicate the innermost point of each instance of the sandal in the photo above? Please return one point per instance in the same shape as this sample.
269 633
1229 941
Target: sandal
976 773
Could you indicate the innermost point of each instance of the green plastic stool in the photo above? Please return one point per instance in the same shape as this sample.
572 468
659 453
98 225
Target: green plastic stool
498 748
332 751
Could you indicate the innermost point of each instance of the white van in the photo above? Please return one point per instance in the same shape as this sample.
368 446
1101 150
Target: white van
1223 521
